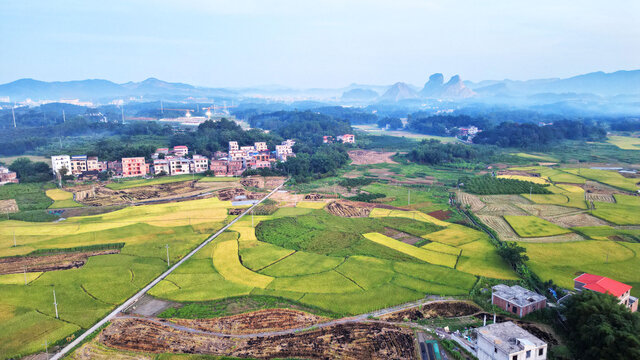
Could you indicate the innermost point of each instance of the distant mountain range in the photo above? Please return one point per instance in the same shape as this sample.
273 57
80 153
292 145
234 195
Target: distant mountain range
619 85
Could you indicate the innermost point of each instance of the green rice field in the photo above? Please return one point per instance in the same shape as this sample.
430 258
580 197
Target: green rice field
531 226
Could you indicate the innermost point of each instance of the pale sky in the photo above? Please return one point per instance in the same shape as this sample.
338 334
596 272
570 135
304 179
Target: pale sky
316 43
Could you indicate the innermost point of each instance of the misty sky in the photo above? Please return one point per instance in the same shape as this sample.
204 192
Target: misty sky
315 43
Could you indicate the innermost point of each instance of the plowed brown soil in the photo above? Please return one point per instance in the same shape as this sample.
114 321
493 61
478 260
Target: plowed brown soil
254 322
349 341
435 310
367 157
18 264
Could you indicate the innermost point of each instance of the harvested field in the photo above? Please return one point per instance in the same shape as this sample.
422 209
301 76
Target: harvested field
401 236
501 209
101 195
367 157
350 341
446 309
472 200
254 322
344 209
8 206
601 197
441 214
18 264
547 211
286 198
504 199
583 219
497 223
238 193
262 182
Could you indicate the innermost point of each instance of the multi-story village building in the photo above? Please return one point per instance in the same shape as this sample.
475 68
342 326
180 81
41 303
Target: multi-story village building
233 146
135 166
199 164
93 164
516 299
160 165
78 164
219 167
61 161
283 152
115 167
7 176
178 166
180 150
261 146
508 341
347 138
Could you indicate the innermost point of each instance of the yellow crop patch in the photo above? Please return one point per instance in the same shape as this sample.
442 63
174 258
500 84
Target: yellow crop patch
227 262
429 256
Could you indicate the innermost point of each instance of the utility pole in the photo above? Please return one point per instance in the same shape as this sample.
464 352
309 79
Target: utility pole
14 239
55 302
161 107
122 111
14 114
409 198
64 118
252 218
530 192
25 275
167 246
46 349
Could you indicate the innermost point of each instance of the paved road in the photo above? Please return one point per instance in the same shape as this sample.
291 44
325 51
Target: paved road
139 294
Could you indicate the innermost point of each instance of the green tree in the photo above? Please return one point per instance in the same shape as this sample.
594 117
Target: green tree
598 327
513 253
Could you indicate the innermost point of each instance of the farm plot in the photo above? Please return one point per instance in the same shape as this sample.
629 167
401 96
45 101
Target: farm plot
105 279
533 179
625 142
554 175
472 201
531 226
562 262
619 214
61 199
610 178
368 157
334 267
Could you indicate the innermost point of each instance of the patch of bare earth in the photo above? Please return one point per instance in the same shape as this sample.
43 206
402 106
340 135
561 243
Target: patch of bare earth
345 209
18 264
583 219
368 157
8 206
432 310
401 236
348 341
254 322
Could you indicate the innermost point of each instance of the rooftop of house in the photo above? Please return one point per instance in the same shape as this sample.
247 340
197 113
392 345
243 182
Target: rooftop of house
517 294
509 337
603 284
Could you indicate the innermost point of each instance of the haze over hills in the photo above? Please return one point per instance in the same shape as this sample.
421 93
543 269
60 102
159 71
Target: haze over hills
597 85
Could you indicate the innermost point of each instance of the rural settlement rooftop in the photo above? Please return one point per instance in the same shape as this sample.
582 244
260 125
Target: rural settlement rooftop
603 284
509 337
517 294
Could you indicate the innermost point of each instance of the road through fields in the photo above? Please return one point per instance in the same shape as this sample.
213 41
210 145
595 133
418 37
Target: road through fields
144 290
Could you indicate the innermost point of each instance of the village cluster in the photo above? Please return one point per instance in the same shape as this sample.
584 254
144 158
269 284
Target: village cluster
176 161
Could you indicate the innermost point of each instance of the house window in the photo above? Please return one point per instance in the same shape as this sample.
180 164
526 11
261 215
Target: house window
515 310
540 351
514 357
528 354
495 350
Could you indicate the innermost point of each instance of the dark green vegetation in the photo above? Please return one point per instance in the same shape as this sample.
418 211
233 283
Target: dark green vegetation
391 123
325 234
45 252
534 136
443 125
305 126
600 328
29 171
366 197
433 152
512 253
236 305
489 185
355 182
31 199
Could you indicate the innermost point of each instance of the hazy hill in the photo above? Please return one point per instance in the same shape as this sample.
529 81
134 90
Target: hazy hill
399 91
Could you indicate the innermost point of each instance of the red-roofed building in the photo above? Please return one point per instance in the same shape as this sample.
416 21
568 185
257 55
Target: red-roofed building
180 150
605 285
